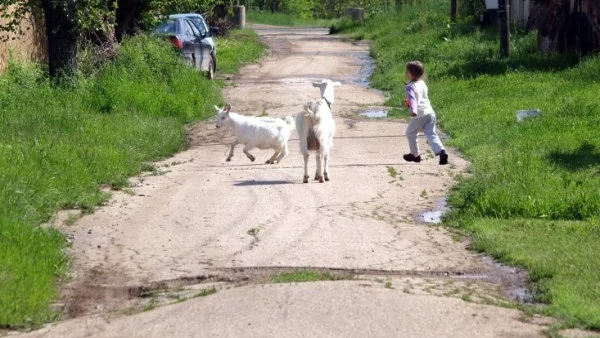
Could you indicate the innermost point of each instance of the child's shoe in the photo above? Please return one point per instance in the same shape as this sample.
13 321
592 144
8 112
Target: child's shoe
443 157
412 158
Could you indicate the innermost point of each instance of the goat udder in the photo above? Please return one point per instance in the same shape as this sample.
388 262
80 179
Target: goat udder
312 141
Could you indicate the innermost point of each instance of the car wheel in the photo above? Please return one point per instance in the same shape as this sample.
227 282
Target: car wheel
210 73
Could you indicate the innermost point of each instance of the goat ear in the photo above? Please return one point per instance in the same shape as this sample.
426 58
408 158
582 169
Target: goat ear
227 108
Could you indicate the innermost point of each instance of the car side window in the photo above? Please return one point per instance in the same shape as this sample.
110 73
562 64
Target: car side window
201 26
187 31
194 30
168 27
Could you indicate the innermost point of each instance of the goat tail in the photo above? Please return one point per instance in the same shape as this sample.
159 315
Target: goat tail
290 122
308 112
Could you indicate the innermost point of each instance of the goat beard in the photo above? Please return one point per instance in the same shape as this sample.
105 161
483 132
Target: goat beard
312 140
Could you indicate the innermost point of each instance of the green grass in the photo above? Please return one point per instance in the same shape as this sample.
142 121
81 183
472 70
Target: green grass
284 19
300 276
531 182
392 171
58 144
205 292
240 47
560 255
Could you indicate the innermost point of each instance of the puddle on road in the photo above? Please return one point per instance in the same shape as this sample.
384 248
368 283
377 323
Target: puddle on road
514 281
367 67
435 216
374 113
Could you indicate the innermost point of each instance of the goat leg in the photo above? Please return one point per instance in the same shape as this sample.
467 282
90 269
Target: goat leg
231 150
272 159
326 171
305 180
246 151
319 173
283 153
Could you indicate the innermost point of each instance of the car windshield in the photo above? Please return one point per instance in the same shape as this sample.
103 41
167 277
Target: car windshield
168 27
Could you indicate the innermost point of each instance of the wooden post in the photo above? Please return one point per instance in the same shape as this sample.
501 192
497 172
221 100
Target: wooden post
453 10
356 14
239 16
504 18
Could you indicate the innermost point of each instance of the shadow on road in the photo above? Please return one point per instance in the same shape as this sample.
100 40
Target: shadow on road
266 182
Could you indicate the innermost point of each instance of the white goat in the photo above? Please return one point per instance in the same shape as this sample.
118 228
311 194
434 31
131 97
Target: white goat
316 127
257 132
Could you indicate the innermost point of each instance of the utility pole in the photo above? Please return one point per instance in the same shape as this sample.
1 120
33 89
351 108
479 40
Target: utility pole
453 10
504 18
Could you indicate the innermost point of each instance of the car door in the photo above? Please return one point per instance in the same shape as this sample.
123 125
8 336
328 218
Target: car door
202 49
203 27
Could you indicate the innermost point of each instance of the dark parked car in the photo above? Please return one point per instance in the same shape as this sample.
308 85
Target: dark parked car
196 47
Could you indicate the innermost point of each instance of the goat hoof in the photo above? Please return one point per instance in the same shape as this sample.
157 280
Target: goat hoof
321 180
326 177
305 180
228 159
252 159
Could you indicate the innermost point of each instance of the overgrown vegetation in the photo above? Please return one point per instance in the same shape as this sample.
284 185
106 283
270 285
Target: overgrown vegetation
59 144
300 276
316 9
284 19
533 196
240 47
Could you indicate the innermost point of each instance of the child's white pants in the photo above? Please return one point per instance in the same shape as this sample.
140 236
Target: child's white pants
427 124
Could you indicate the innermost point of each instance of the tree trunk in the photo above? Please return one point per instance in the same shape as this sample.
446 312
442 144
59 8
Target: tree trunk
504 19
398 4
274 6
129 13
453 10
61 29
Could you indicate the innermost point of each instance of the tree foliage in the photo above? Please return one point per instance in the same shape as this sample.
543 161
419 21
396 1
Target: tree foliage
319 8
83 14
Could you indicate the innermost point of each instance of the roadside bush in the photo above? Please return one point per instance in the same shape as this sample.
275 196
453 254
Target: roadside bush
300 8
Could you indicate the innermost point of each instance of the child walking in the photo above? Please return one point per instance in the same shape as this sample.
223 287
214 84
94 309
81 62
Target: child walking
422 115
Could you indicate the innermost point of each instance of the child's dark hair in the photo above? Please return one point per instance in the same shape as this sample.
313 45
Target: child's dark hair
415 68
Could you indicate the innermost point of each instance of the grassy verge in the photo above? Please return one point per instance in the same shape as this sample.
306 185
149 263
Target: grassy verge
533 198
58 144
283 19
301 276
240 47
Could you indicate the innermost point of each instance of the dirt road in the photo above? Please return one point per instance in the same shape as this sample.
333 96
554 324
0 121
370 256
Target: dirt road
202 222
